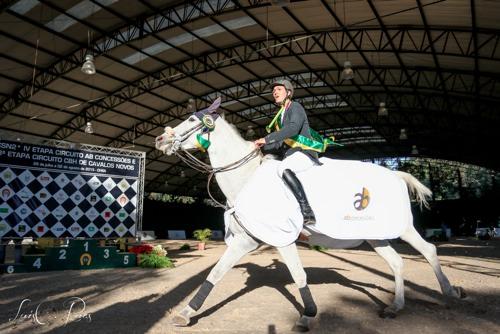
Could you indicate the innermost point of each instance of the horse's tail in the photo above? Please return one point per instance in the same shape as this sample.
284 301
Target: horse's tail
416 188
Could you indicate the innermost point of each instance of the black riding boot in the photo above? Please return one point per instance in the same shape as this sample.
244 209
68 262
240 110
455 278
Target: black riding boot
295 186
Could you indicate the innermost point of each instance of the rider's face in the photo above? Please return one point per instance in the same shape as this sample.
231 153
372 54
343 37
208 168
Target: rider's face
279 94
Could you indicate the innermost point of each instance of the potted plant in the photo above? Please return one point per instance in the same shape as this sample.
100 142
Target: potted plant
202 236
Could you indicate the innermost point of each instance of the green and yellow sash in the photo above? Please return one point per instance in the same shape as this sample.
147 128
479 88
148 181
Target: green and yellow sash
201 143
316 143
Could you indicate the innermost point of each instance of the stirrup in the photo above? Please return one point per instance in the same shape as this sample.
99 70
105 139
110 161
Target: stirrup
309 219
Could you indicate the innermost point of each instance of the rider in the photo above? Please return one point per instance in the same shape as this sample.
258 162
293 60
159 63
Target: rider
292 122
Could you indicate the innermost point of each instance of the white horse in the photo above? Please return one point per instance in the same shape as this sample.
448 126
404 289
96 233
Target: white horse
233 161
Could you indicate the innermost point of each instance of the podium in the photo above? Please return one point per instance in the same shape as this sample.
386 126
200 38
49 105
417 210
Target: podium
78 254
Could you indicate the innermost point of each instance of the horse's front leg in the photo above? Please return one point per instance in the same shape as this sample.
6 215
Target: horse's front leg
291 257
240 245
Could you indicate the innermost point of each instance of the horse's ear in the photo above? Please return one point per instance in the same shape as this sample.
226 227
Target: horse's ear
214 106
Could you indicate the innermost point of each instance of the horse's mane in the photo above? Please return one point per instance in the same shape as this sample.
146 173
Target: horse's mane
235 130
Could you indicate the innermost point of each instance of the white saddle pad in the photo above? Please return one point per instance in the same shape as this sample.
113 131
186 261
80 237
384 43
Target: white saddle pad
350 199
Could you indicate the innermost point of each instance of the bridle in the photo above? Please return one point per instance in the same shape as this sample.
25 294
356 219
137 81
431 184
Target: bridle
206 125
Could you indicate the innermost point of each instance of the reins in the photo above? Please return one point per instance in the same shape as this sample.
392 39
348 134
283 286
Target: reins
191 161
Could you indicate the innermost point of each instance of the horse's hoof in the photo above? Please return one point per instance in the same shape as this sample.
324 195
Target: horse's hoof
460 292
303 324
180 321
299 328
388 313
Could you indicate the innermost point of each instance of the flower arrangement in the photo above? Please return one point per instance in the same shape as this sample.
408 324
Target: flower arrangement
159 250
141 249
151 257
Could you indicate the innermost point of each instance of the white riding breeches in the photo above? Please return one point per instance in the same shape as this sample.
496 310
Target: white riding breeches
297 162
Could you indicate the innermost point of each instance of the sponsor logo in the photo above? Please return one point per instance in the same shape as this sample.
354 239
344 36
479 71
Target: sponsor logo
362 200
93 198
58 215
3 227
60 196
358 218
6 193
21 228
123 200
4 210
40 228
85 259
23 194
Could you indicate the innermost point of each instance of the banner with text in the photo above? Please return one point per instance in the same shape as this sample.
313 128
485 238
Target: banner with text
47 157
49 191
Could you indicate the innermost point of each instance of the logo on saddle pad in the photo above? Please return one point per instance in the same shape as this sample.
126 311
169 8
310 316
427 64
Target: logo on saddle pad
362 199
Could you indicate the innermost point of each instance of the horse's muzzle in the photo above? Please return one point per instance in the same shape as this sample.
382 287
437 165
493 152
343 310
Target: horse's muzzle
160 141
167 143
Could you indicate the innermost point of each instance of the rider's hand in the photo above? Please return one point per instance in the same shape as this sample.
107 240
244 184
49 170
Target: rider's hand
260 142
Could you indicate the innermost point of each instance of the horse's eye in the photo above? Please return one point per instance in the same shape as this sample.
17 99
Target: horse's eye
192 118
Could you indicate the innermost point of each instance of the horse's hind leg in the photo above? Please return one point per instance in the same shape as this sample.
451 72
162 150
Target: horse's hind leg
428 250
240 245
291 257
384 249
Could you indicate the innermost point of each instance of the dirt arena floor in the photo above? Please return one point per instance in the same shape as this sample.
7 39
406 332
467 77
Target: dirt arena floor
258 296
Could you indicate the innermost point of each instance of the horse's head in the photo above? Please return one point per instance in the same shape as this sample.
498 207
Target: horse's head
189 134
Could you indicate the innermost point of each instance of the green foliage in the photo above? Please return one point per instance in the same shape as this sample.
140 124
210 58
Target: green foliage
185 247
202 235
318 248
447 179
155 261
168 198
